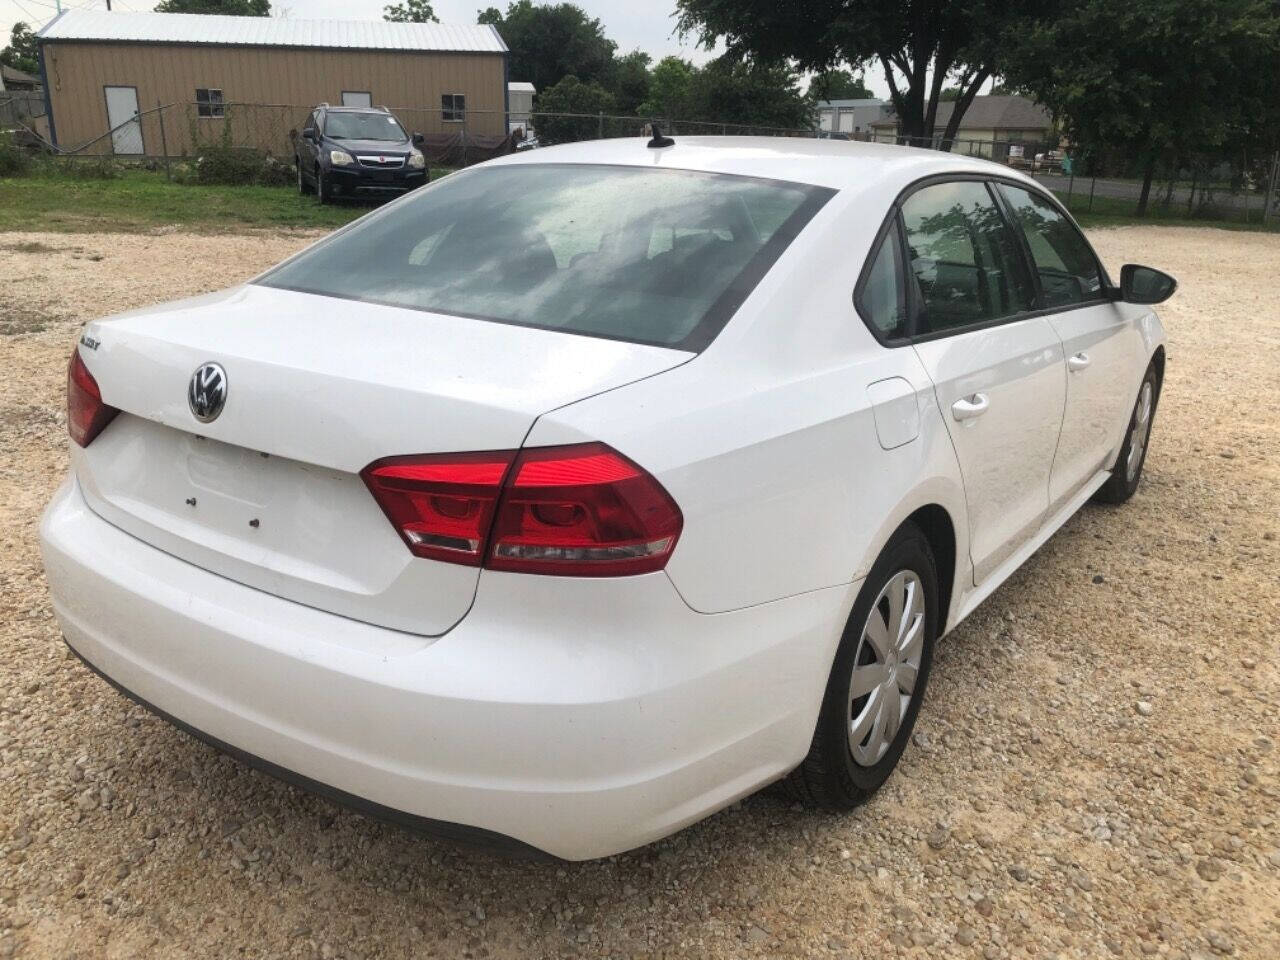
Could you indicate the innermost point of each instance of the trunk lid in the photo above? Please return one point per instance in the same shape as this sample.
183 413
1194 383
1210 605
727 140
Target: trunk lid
269 493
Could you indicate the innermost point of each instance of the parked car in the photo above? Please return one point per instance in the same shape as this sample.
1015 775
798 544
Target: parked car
347 151
590 489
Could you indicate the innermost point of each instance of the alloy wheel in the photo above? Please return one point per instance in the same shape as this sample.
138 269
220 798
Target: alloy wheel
1141 430
886 666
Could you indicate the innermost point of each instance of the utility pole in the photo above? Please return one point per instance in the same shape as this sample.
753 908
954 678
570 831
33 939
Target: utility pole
108 6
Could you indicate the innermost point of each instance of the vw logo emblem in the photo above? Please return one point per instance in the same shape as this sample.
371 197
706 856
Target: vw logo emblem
207 394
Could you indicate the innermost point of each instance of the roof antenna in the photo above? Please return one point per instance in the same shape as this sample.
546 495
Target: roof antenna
658 140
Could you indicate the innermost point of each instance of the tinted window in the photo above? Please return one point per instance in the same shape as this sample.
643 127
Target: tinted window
882 301
1067 268
964 260
363 126
631 253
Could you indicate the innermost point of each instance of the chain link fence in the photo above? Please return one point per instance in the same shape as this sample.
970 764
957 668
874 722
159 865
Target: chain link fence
178 137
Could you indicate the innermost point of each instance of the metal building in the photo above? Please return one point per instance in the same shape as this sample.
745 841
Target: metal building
258 76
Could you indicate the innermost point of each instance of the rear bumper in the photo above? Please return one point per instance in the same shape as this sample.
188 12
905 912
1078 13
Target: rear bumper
579 717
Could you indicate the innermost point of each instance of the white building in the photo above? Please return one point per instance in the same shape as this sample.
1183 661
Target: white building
853 117
520 106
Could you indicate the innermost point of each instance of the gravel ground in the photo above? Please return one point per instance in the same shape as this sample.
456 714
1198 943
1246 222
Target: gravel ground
1094 772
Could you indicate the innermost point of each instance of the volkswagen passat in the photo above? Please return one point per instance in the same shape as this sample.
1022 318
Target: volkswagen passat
585 491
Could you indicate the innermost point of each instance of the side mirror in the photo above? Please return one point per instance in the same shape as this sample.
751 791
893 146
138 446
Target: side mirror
1139 284
419 139
308 133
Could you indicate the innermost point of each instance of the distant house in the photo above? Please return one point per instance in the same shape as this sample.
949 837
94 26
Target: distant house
988 128
854 117
260 76
520 106
11 80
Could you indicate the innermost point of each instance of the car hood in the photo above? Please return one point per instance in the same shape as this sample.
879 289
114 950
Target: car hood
396 148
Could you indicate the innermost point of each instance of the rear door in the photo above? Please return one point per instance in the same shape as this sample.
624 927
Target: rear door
997 373
122 118
1104 349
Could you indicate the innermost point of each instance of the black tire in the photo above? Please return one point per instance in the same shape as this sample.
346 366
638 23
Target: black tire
322 187
830 775
1125 477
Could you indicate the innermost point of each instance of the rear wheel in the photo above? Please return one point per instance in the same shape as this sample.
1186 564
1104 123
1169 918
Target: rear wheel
878 679
1127 473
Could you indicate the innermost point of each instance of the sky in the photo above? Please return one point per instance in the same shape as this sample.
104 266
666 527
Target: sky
647 25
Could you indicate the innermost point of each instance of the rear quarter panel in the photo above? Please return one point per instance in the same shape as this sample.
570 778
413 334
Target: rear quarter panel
768 440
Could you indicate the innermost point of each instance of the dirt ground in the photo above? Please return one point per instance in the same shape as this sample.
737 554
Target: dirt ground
1094 772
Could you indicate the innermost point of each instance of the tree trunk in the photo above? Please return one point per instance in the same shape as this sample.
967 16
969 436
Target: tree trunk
962 104
1146 187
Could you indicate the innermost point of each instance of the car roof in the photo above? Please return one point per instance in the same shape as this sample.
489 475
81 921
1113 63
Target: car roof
379 110
838 164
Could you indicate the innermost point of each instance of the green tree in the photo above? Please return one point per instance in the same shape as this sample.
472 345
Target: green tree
670 90
629 81
21 54
572 96
1178 81
551 42
411 11
918 44
839 85
231 8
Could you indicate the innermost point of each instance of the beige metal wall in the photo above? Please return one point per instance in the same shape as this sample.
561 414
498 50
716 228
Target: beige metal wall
284 77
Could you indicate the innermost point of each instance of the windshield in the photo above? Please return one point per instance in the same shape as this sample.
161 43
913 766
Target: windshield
363 126
630 253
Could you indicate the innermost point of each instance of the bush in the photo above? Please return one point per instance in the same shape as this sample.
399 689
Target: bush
234 166
14 161
95 167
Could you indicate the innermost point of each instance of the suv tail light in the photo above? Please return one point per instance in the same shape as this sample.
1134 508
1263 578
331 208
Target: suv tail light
87 415
582 510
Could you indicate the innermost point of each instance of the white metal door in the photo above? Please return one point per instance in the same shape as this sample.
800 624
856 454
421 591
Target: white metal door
122 117
1001 392
357 98
1104 364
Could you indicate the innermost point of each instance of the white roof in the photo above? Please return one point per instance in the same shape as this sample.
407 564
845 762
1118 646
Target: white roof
121 27
521 86
839 164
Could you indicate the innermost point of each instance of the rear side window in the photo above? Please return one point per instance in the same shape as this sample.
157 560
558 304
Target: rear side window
661 257
882 301
1064 261
964 261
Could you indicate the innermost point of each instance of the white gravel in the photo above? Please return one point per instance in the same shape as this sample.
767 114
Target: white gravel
1094 773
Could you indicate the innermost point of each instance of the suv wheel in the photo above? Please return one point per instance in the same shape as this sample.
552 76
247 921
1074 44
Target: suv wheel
878 679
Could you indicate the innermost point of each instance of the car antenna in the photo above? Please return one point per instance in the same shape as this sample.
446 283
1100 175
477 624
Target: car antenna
658 139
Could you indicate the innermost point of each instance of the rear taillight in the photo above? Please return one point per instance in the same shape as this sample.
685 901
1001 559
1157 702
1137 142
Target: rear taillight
86 413
582 510
442 506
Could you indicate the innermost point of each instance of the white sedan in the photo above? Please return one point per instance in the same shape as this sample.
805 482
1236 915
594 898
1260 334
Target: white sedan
583 492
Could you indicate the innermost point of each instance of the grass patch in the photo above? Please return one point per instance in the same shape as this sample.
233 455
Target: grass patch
1115 212
139 200
30 246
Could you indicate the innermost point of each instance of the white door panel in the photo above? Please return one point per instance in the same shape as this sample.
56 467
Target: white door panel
122 104
1001 393
1104 361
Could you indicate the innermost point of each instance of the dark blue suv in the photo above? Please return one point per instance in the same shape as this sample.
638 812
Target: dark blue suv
346 151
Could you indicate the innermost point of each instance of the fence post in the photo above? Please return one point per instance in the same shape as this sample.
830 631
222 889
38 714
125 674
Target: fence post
164 144
462 133
1071 184
1092 184
600 125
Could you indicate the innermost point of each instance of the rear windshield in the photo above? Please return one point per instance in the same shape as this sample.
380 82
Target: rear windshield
363 126
651 256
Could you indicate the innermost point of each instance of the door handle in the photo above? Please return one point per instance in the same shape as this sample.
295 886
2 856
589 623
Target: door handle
1078 362
966 408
